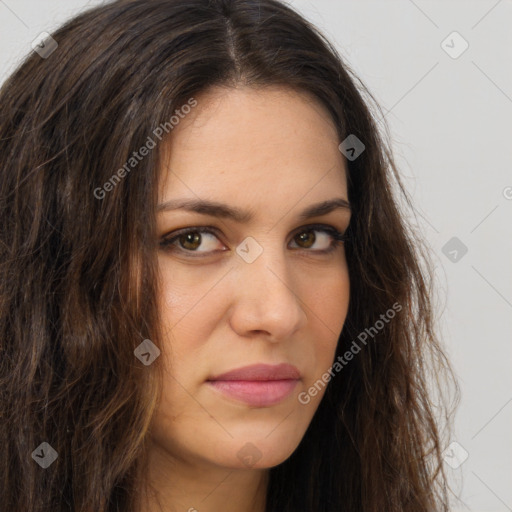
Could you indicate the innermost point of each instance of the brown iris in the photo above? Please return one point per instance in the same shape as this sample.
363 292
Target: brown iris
190 238
305 235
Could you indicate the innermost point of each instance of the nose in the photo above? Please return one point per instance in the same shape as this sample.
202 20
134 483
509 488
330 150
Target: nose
265 300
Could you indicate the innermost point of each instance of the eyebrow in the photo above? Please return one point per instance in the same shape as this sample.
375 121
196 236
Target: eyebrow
216 209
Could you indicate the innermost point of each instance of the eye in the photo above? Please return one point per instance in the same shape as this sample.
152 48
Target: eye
328 240
189 240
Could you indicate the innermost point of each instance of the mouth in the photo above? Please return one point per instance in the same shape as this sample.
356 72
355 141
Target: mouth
258 385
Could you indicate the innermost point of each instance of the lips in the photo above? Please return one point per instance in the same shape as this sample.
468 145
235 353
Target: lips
261 372
259 385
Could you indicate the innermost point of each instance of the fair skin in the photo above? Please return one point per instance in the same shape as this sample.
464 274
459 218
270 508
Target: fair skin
273 152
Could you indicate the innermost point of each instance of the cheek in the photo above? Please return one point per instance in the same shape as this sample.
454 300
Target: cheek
188 305
327 299
327 311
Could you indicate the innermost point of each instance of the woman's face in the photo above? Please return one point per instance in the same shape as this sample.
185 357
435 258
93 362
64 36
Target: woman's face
258 291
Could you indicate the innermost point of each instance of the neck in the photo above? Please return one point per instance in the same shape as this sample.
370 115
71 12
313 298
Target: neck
177 486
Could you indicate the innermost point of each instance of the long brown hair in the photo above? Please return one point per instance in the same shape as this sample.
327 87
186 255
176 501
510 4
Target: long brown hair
78 276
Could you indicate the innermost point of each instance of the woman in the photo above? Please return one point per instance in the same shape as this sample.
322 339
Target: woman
210 297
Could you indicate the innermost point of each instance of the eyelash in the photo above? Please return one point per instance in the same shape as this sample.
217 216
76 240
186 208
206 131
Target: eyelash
338 238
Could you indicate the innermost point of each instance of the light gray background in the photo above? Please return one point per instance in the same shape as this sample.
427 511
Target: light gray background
451 122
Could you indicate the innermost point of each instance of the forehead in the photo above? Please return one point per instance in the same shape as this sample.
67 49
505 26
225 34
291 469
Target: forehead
243 144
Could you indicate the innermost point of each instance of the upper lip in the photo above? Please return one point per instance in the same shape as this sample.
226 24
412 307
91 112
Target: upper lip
261 372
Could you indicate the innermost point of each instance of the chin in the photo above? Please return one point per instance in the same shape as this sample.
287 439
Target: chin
257 451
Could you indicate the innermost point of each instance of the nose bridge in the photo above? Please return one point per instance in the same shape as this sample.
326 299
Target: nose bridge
270 270
266 296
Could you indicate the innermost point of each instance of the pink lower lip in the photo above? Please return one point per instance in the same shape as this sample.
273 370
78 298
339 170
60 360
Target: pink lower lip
258 393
